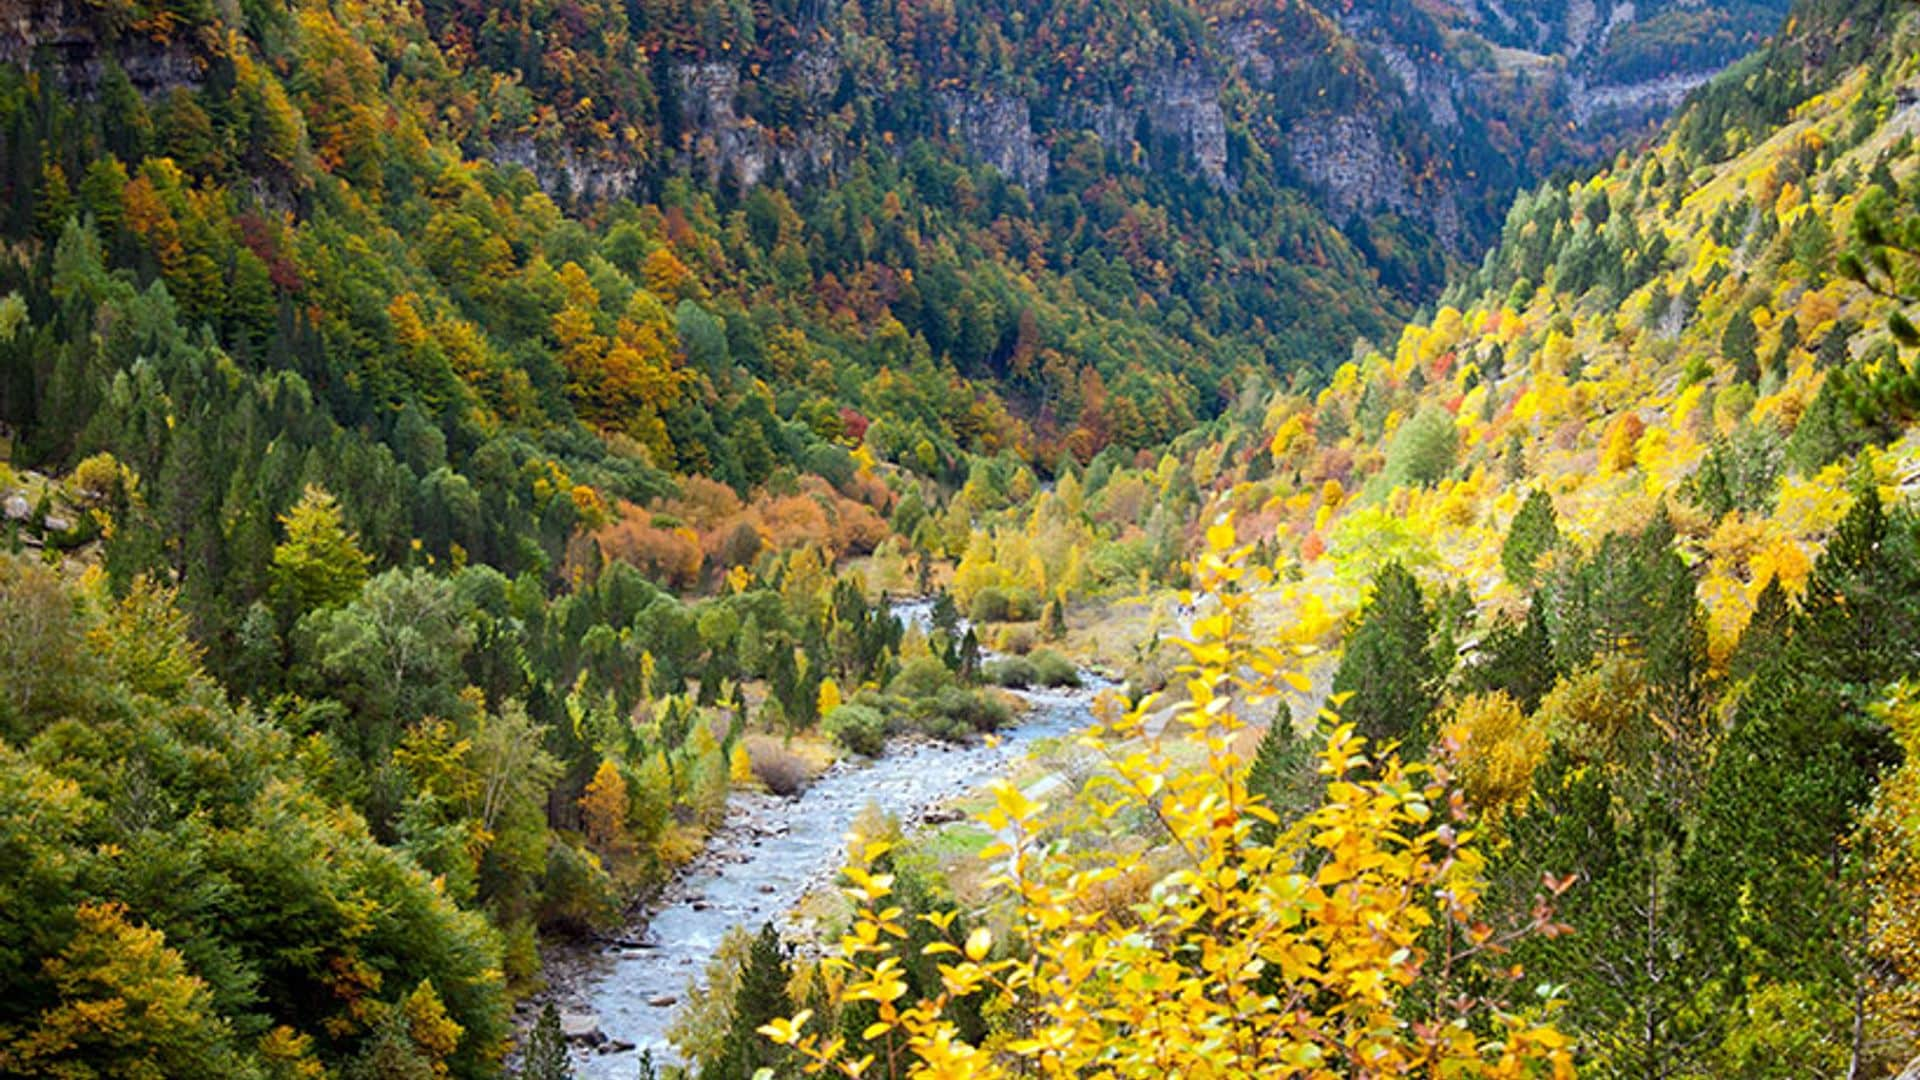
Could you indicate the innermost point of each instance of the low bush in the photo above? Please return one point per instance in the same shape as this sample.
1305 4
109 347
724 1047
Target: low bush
1016 638
1052 669
1010 671
858 729
1043 668
778 769
971 710
920 677
989 605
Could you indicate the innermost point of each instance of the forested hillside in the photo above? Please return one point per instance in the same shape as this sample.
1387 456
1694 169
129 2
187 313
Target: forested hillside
445 448
1619 539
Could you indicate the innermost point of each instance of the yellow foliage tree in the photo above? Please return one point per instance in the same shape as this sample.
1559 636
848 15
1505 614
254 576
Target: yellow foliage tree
1496 749
1623 438
604 809
1890 841
428 1025
1290 959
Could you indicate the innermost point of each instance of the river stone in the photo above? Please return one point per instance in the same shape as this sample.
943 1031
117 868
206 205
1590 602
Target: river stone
57 524
18 508
662 1001
582 1027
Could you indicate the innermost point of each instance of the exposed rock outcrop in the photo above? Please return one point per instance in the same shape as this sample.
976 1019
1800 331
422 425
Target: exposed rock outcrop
565 172
60 38
1179 109
718 143
1346 158
997 129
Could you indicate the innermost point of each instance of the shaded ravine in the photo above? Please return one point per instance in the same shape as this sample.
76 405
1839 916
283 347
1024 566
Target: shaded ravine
769 854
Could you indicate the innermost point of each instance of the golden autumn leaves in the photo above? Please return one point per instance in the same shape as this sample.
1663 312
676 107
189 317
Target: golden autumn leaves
1321 954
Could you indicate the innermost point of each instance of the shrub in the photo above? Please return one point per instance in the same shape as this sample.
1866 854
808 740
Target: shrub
575 894
1041 668
778 769
1023 604
857 729
966 711
1052 669
990 605
1011 671
920 677
1016 638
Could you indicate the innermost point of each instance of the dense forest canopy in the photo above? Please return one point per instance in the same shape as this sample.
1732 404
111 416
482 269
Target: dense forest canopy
447 449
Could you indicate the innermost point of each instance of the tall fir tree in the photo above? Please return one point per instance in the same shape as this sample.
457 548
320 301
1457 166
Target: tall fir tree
1534 532
320 564
545 1056
1389 673
761 998
1284 773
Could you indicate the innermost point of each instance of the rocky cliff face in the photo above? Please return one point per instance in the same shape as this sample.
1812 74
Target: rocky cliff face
565 173
62 38
717 143
1178 110
1347 159
997 129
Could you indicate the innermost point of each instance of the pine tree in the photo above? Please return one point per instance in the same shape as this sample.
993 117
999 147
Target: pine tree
761 997
1516 658
1740 344
1651 1009
1055 621
945 614
1534 532
1804 753
1283 773
545 1057
969 655
1389 671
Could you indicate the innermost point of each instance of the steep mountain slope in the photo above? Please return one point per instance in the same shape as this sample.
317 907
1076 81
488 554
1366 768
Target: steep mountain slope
372 453
307 198
1623 537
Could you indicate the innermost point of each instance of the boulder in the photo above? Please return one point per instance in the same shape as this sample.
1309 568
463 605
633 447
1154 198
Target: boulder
582 1027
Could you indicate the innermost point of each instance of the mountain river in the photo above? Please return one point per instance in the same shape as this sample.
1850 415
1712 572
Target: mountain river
772 851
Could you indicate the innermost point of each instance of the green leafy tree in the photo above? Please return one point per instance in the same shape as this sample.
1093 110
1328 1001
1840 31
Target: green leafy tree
393 654
1423 447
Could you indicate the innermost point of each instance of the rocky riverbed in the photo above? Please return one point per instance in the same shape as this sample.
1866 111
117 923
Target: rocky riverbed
619 997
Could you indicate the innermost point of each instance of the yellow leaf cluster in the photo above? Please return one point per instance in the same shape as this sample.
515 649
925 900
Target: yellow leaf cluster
1295 958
